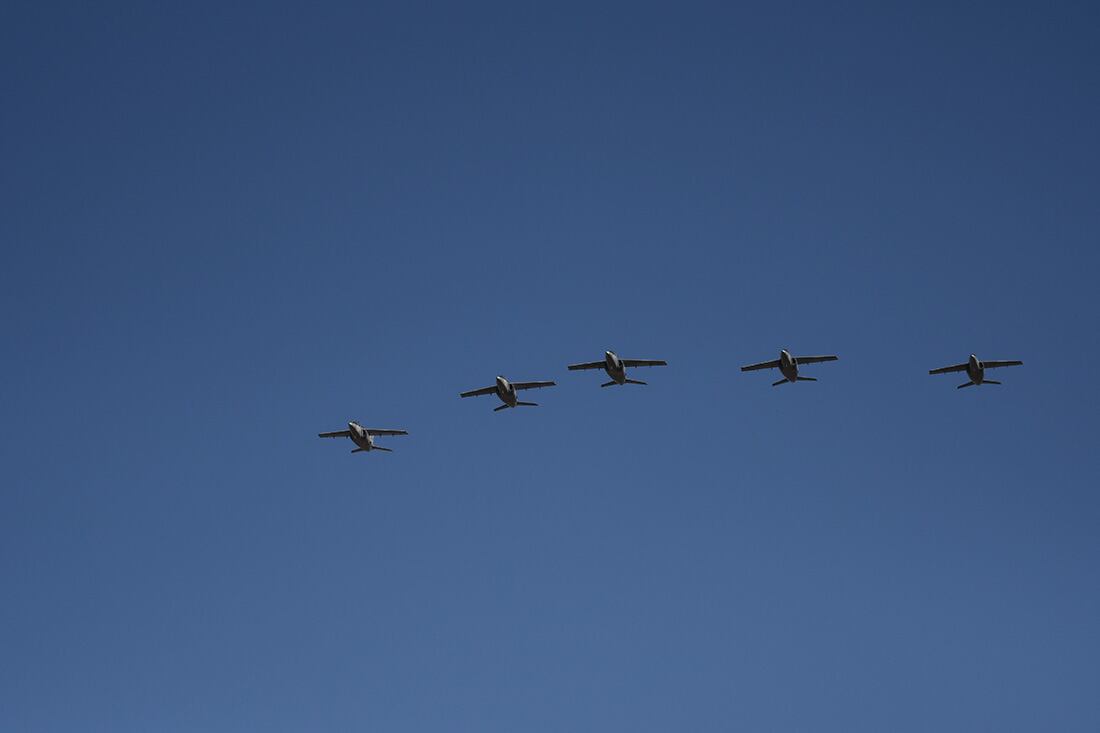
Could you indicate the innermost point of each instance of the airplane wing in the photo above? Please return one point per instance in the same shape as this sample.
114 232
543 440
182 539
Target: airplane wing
814 359
380 431
995 364
761 365
532 385
479 392
644 362
587 365
945 370
336 434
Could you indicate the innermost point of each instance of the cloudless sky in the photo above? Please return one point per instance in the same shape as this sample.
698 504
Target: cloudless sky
226 227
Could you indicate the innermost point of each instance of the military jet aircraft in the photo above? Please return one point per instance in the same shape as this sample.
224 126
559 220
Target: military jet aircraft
362 437
975 369
616 367
788 365
506 391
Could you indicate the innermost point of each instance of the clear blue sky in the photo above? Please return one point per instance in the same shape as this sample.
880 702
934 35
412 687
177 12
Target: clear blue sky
228 227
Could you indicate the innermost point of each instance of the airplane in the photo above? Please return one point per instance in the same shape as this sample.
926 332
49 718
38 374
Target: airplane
362 437
975 369
506 391
616 367
788 365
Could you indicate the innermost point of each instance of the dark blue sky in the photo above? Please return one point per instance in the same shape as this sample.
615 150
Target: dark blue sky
226 228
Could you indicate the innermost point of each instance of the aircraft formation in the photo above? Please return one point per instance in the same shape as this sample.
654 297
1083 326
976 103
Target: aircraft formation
615 368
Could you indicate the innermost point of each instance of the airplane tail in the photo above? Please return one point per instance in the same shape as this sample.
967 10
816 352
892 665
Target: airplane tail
807 379
612 383
378 447
634 381
527 404
502 407
968 384
781 381
990 381
359 450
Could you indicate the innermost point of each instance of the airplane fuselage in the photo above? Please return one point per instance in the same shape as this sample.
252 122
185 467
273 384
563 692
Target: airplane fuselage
506 392
613 365
788 366
975 370
360 436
